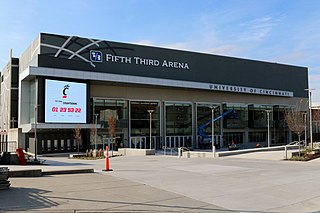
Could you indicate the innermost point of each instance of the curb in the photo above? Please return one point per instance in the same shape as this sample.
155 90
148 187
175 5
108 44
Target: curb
39 172
25 173
262 149
66 172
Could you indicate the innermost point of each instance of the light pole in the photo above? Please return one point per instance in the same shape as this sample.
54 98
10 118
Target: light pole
95 132
274 131
103 137
310 117
35 133
150 116
305 128
212 131
268 120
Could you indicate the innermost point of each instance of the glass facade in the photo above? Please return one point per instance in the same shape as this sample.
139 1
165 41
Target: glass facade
172 124
204 116
238 119
145 119
280 132
258 116
140 118
204 124
105 109
235 137
178 119
257 137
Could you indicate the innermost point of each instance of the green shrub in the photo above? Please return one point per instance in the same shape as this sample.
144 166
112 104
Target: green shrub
298 158
308 149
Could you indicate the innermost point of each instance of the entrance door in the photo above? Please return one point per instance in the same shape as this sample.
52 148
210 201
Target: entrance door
145 118
235 137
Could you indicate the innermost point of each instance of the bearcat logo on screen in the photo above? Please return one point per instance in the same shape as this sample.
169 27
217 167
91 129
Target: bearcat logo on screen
65 90
65 101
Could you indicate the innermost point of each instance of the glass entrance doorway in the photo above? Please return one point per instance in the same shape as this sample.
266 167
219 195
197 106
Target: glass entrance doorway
144 117
235 137
178 125
104 110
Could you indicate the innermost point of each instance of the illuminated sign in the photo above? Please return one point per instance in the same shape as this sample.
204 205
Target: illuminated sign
96 56
65 102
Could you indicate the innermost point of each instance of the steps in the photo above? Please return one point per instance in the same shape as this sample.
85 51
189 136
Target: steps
4 176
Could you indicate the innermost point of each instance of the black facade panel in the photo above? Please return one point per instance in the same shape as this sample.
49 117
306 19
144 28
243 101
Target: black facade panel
41 99
74 53
15 77
14 109
15 61
14 92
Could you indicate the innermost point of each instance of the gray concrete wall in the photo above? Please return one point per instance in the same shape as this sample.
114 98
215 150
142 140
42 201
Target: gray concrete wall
29 56
15 135
108 90
24 102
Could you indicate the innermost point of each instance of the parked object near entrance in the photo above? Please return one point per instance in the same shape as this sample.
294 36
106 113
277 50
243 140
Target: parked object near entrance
4 176
233 146
22 160
206 140
5 158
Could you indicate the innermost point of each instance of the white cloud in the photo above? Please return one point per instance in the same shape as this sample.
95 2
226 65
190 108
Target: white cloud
145 42
227 49
181 46
257 29
291 57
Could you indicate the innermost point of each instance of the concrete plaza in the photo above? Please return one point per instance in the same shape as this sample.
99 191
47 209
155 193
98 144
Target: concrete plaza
253 182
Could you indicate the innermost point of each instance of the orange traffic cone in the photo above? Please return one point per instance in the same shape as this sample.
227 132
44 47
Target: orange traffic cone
107 161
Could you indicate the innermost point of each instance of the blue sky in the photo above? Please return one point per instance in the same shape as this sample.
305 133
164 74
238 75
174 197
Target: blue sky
281 31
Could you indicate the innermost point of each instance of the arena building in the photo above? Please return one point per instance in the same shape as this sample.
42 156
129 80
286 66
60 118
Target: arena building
62 83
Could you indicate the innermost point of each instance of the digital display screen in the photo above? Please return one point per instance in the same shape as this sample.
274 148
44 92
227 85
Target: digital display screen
65 102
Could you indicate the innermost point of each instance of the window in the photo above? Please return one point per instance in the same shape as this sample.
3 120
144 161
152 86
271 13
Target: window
140 118
257 137
178 119
238 118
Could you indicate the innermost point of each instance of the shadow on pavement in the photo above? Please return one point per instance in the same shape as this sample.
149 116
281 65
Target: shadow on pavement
50 162
151 206
24 199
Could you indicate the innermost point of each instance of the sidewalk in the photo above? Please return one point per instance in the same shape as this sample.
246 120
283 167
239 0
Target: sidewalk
90 192
61 164
51 166
267 155
253 182
94 193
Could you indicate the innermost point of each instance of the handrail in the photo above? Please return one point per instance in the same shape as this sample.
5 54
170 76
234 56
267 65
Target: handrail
185 149
181 150
172 149
296 142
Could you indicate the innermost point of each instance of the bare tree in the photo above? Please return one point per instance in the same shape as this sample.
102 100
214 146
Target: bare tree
112 122
77 135
316 115
93 130
316 119
295 119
